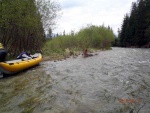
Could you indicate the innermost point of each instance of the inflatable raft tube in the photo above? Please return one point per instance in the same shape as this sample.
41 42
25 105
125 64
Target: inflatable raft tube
14 66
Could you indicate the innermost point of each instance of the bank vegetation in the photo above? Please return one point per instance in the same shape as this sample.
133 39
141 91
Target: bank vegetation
91 37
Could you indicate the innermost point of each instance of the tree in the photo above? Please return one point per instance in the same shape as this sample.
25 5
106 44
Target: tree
141 24
21 25
64 33
95 37
50 33
135 30
124 31
72 33
48 10
147 20
133 25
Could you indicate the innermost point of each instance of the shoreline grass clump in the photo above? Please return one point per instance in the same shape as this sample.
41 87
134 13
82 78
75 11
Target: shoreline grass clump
96 37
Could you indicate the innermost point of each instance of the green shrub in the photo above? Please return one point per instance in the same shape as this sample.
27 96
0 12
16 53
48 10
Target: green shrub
99 37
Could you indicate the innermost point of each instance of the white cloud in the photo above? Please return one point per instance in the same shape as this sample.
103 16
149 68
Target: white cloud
79 13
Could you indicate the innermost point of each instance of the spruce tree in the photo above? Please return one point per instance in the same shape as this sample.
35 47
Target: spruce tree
141 26
135 30
147 20
124 30
133 24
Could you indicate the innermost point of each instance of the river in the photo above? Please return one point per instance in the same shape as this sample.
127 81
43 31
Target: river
113 81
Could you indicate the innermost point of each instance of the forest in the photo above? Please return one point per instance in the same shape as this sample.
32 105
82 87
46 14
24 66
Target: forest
23 24
135 29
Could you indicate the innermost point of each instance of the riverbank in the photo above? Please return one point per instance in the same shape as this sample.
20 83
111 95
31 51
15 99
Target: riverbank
67 53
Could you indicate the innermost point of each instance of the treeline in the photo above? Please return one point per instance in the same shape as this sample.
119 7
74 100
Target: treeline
135 29
99 37
21 25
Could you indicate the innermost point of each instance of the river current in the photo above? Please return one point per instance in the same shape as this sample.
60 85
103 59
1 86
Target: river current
112 81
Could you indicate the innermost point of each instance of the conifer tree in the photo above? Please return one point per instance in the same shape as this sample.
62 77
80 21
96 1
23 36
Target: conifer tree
147 20
140 40
135 30
132 25
124 28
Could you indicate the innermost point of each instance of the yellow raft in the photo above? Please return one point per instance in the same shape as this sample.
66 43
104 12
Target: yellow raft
14 66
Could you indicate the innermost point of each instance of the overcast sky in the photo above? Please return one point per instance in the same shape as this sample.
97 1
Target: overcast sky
76 14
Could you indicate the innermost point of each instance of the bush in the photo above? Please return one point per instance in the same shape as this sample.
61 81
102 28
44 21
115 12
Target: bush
99 37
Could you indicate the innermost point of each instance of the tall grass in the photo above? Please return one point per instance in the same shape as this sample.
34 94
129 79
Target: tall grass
98 37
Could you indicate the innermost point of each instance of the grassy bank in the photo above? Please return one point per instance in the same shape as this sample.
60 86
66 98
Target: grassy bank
64 53
91 38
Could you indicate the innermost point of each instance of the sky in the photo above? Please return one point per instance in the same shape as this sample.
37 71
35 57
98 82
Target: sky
77 14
